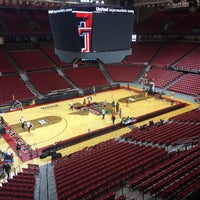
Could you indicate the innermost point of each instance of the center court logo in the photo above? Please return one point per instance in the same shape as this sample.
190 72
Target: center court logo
42 122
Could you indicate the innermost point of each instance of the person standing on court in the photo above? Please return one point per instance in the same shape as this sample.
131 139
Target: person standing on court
103 112
22 122
89 100
113 118
71 105
84 102
117 107
89 131
113 105
127 101
29 125
120 113
172 98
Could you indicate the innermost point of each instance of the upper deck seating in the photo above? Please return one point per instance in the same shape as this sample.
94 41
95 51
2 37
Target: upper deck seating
15 22
188 23
171 21
41 18
152 24
31 60
142 52
171 52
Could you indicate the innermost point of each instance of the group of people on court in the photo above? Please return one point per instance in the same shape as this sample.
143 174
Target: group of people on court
115 109
28 124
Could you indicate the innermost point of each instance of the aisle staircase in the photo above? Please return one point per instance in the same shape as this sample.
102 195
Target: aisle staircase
46 189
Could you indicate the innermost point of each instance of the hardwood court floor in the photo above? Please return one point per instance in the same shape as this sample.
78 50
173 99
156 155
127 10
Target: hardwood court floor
55 122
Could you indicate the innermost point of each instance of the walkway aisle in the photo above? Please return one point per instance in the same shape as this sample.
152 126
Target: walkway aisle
45 184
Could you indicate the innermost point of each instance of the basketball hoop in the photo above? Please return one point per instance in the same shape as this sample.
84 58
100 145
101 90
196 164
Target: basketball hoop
16 105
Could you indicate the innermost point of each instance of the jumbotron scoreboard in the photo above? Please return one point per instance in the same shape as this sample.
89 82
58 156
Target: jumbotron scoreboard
92 32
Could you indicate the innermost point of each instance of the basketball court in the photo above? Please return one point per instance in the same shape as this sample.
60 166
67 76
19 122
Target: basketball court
56 122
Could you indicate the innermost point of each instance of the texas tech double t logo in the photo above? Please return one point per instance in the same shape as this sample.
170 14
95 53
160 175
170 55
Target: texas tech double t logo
84 28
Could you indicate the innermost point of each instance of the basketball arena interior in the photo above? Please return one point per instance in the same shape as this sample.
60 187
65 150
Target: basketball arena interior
151 153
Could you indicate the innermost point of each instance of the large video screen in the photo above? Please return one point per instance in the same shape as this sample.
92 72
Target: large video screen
83 32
